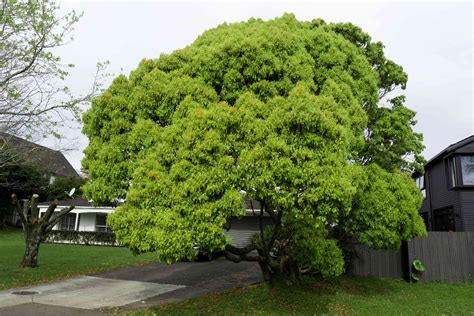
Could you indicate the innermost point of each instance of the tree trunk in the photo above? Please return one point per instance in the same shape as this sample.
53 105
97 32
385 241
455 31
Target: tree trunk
287 271
30 259
266 271
34 227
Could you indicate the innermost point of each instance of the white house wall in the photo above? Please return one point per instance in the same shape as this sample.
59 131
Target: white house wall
87 222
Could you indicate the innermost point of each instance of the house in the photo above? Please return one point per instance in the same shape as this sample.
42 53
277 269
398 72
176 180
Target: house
52 161
448 188
242 229
84 216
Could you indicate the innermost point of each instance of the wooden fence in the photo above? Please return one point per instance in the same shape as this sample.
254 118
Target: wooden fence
447 256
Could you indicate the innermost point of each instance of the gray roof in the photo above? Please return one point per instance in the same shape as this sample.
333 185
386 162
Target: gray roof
52 160
78 201
450 149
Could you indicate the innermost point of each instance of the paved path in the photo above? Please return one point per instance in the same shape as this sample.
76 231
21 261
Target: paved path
129 289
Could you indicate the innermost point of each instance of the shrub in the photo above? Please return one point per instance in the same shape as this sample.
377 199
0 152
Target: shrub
82 237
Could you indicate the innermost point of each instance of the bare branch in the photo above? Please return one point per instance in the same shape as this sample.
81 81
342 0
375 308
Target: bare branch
33 97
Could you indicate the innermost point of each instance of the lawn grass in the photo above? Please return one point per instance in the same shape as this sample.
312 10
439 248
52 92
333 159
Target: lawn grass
58 261
343 296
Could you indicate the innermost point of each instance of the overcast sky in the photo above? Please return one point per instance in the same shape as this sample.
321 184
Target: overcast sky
432 41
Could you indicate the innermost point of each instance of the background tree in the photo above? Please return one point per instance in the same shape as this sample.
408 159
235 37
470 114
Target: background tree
22 177
287 113
34 100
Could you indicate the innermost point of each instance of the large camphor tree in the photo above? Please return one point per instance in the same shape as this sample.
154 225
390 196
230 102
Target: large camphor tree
295 115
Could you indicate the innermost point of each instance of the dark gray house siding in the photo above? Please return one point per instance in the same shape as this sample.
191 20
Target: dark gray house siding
467 205
467 194
442 197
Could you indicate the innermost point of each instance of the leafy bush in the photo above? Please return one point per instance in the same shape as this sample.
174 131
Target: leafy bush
82 237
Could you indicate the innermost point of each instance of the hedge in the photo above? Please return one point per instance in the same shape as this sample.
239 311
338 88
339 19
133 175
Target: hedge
82 237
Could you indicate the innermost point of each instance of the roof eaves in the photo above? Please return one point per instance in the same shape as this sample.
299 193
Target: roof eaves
449 149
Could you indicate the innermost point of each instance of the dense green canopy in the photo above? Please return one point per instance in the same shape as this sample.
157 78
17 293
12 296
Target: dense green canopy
284 112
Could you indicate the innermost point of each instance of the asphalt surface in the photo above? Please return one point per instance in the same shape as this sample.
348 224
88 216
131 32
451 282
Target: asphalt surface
130 289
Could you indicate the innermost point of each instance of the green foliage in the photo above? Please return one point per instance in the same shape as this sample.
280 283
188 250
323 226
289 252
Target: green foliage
20 177
61 186
391 137
82 237
383 223
286 111
24 177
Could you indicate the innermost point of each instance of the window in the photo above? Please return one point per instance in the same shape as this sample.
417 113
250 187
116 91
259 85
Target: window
101 223
467 170
444 220
52 179
67 222
452 171
420 183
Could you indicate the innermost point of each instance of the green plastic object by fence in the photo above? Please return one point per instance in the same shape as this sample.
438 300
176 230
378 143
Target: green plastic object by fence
418 269
418 265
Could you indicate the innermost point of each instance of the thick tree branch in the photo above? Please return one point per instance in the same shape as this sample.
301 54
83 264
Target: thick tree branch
239 258
18 210
240 251
49 212
56 218
34 208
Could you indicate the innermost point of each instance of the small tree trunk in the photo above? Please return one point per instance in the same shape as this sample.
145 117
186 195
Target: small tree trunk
34 227
286 272
294 276
266 271
30 259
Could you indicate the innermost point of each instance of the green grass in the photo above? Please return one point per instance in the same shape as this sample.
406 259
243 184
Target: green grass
344 296
58 261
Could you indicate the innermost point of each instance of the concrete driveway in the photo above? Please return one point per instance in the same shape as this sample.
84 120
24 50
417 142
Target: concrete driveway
128 289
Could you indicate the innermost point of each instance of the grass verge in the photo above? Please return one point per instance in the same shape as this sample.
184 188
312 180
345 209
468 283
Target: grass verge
58 261
343 296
